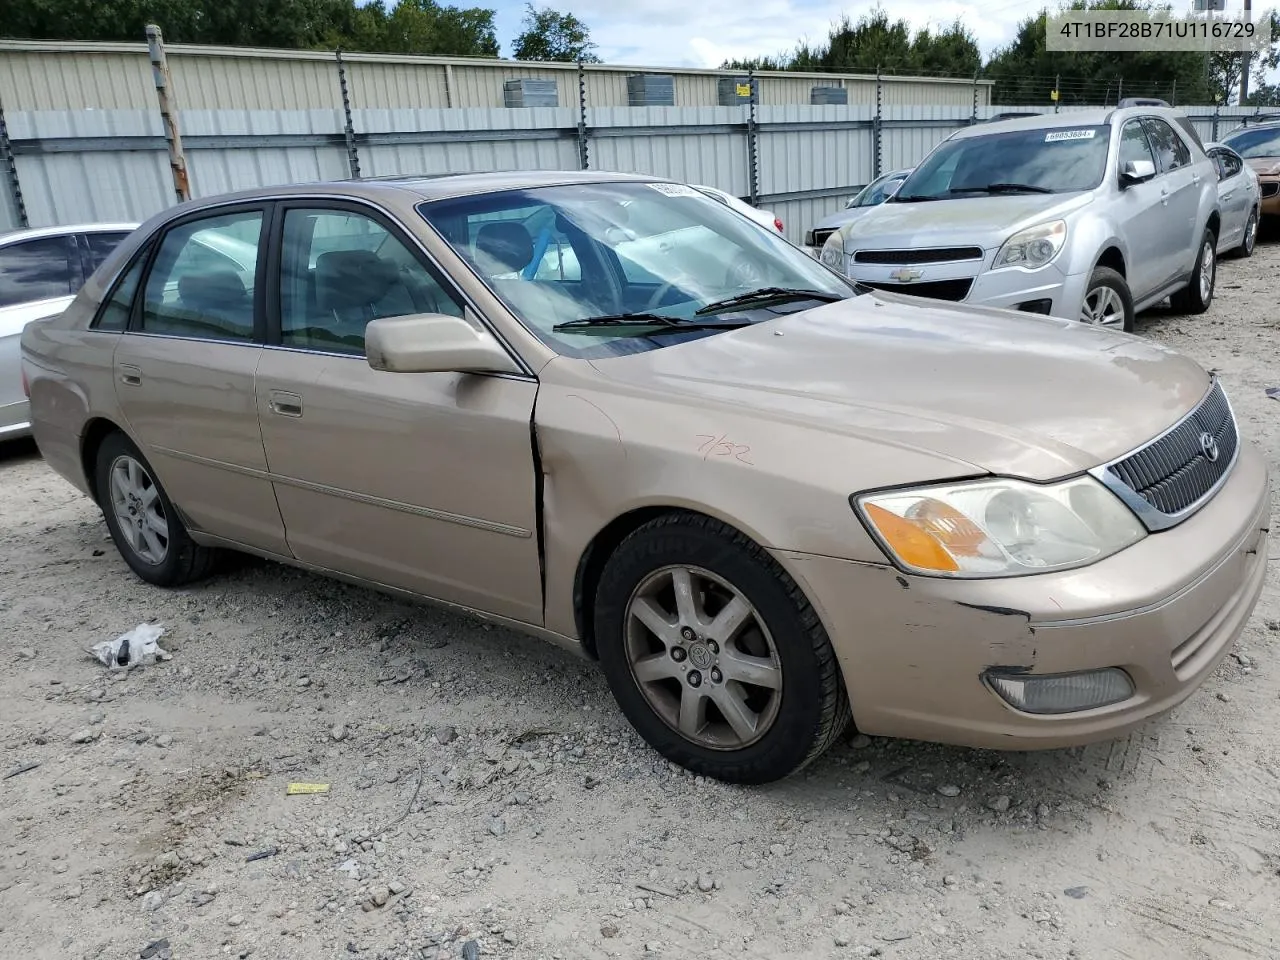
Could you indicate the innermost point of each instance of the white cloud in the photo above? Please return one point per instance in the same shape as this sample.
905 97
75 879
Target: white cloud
705 33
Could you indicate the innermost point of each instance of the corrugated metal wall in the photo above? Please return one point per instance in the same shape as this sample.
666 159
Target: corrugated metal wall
89 144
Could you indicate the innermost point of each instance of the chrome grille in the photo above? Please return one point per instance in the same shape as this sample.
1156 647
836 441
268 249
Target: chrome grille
1177 472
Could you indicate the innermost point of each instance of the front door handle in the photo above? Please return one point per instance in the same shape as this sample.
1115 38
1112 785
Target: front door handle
131 375
1227 195
285 404
1164 196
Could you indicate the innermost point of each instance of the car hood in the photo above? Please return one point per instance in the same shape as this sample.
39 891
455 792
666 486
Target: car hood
1265 166
1005 393
985 221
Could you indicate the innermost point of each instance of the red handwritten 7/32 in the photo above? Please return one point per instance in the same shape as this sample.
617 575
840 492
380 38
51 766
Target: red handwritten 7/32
722 446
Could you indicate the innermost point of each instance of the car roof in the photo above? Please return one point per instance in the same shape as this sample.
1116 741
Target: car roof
36 233
427 187
1093 117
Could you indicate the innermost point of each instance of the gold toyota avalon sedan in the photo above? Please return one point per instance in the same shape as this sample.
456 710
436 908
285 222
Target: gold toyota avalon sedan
612 412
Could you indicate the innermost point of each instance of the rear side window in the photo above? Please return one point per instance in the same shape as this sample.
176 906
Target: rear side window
101 246
1170 149
201 283
39 269
113 317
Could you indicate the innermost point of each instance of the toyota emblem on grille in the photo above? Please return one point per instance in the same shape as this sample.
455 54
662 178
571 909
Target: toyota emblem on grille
1209 446
906 274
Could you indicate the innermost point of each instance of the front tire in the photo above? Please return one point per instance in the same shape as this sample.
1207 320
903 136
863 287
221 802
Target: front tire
714 654
1107 301
1196 296
143 523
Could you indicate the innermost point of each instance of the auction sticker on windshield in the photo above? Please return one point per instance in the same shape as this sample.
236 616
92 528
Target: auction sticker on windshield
1056 135
675 189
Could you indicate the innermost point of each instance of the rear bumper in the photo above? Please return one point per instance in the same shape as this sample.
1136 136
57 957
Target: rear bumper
1166 611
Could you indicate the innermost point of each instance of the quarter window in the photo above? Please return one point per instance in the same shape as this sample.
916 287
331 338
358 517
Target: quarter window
201 284
114 315
1169 148
39 269
1231 164
339 270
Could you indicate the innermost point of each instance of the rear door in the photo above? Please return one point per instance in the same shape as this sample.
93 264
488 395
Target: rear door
185 372
1233 194
421 481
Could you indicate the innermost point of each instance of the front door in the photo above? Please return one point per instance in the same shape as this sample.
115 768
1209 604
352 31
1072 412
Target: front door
1142 212
1180 194
185 373
424 482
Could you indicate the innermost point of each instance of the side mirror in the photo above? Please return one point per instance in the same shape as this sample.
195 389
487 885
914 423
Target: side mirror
433 343
1137 171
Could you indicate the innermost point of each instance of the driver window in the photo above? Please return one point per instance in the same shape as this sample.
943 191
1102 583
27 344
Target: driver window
1134 146
339 270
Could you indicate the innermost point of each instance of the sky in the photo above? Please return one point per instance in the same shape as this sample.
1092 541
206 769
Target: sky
704 33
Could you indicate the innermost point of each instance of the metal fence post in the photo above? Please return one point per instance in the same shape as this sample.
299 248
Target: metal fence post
1173 97
1119 90
11 164
875 128
973 117
168 112
584 161
1217 108
349 128
1057 93
753 139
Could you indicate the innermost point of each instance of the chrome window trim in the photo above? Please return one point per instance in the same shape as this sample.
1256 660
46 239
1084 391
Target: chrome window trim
1155 520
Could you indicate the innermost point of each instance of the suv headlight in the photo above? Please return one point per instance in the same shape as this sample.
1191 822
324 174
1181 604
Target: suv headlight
833 252
999 528
1033 247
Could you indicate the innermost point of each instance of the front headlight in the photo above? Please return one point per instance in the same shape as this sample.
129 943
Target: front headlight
833 252
1033 247
999 528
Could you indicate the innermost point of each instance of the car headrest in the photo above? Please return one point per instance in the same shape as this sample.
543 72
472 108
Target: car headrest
352 278
503 247
211 290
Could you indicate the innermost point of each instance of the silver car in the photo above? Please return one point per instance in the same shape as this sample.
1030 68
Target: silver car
872 195
1240 198
41 271
1092 215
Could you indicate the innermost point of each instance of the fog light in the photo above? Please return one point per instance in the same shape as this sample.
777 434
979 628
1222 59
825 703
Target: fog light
1061 693
1036 306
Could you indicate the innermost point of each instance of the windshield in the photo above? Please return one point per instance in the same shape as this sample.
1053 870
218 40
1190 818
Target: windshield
1055 160
877 191
555 255
1255 144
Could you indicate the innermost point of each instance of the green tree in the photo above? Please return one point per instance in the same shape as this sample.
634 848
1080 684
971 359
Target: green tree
559 37
425 27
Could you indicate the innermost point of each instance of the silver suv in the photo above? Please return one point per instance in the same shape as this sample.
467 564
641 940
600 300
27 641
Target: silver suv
1092 215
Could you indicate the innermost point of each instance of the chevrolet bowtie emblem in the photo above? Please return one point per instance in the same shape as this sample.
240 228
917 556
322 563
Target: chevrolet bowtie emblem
906 274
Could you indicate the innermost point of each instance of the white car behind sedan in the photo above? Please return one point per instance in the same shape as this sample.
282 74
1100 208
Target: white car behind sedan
41 271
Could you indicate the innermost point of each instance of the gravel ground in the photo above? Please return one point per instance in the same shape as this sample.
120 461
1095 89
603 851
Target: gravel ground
487 799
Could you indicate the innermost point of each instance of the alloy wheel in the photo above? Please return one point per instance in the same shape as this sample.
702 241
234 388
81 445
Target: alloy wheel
1208 264
703 658
1103 306
139 511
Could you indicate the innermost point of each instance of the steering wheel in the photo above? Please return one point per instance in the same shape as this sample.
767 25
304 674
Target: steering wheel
663 290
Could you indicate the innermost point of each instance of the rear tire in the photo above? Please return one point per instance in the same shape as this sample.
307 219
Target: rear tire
1107 301
691 616
144 525
1196 296
1250 239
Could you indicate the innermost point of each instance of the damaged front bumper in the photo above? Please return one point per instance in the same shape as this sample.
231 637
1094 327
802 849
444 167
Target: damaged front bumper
919 654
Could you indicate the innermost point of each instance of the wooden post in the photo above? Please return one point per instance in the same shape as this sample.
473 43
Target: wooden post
168 112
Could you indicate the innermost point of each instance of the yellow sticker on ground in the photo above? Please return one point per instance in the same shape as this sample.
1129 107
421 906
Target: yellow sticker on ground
296 788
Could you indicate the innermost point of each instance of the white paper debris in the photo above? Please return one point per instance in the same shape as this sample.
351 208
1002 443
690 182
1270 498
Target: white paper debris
138 647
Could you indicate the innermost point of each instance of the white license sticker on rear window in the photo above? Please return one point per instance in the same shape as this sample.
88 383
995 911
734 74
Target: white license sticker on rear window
1056 135
675 189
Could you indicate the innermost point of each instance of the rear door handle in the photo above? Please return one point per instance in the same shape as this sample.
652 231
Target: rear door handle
1164 196
285 404
131 375
1227 195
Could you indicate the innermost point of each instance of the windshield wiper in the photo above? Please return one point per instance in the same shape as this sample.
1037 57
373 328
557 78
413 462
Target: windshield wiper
912 198
1003 188
767 294
646 320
